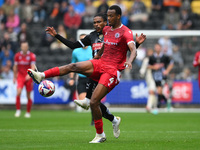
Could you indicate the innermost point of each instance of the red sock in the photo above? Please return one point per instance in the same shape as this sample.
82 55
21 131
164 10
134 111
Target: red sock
52 72
18 102
99 126
29 104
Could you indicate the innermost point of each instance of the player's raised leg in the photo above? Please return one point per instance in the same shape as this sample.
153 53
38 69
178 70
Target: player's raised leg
84 67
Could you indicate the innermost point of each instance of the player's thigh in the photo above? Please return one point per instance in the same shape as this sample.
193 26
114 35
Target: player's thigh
29 85
84 67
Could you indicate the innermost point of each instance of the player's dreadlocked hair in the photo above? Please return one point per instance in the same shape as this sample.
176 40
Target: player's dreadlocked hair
102 15
117 9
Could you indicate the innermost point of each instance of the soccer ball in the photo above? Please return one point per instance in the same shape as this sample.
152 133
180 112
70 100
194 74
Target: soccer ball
46 88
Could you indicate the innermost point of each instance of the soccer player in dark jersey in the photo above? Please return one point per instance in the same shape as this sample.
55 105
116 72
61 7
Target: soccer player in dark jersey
161 65
94 39
118 40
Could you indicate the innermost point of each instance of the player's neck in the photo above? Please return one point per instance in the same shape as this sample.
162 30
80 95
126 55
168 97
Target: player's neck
118 25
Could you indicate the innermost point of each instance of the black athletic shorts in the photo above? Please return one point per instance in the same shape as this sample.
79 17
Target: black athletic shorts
81 87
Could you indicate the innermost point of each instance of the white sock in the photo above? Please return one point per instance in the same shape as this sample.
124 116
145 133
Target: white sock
114 120
43 75
87 100
102 134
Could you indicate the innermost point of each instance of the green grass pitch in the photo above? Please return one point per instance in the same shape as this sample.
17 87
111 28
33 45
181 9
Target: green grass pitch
69 130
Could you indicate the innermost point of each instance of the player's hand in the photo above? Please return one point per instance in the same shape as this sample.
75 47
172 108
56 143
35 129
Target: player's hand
97 57
140 39
51 31
165 72
128 65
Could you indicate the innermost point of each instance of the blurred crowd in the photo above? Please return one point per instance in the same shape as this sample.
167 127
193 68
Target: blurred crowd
18 17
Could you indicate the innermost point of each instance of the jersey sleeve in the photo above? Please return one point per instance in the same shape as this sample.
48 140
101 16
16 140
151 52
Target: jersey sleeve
33 58
128 35
85 41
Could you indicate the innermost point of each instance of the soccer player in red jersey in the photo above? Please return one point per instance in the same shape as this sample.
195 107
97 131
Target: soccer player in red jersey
196 62
23 60
118 39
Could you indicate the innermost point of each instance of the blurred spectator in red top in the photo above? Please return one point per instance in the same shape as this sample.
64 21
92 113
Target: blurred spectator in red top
71 19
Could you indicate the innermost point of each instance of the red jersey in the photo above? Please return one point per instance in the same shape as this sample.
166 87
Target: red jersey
195 63
116 46
24 62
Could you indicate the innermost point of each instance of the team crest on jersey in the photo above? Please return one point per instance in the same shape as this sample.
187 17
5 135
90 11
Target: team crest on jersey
28 58
116 35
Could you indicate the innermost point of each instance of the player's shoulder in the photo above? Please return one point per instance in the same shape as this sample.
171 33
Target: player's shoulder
126 29
106 28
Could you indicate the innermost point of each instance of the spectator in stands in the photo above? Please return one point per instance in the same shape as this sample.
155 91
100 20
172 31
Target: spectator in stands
7 72
185 75
171 19
17 6
13 38
24 34
177 56
3 17
2 32
7 7
103 7
79 7
90 11
63 8
5 41
54 14
196 63
166 45
39 11
185 22
13 21
156 5
46 40
26 11
57 44
138 12
5 55
72 22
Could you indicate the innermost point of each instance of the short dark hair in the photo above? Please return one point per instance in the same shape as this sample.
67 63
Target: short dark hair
117 9
102 15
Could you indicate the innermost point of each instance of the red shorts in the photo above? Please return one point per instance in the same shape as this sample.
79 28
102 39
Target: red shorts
21 82
104 74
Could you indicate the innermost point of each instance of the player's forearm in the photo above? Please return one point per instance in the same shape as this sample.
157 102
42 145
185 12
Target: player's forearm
15 71
67 42
169 68
132 56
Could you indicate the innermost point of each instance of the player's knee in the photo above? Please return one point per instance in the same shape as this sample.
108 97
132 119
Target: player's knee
94 103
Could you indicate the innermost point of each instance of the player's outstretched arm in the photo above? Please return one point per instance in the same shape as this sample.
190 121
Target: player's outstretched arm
68 43
140 39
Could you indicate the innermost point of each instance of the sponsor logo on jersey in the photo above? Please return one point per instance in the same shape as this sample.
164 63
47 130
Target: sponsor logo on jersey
110 43
97 46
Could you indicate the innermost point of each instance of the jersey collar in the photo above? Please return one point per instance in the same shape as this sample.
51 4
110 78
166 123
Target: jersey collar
117 28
